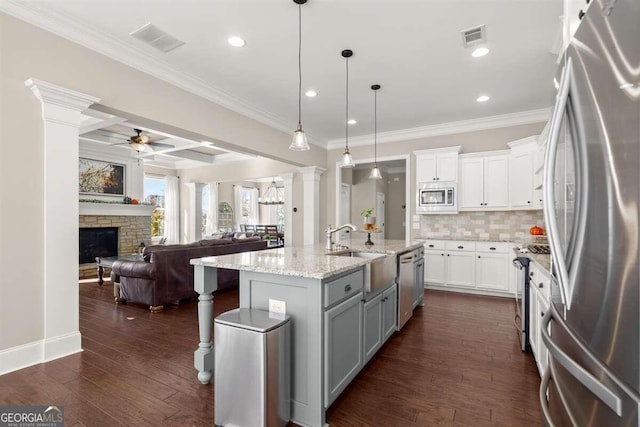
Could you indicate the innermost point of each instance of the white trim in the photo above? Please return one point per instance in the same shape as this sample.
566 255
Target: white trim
523 141
485 154
21 356
61 346
311 202
25 355
115 209
141 60
48 93
455 148
450 128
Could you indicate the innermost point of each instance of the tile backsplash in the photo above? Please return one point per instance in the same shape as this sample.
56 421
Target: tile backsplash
498 225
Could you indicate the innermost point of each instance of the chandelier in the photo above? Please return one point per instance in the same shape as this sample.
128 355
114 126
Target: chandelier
270 196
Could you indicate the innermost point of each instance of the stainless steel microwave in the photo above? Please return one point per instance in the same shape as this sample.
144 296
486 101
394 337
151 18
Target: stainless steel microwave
437 197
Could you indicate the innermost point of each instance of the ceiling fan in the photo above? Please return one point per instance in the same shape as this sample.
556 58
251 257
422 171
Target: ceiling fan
141 142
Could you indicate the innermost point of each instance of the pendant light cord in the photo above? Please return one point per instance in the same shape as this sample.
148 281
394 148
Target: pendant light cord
375 127
299 64
346 118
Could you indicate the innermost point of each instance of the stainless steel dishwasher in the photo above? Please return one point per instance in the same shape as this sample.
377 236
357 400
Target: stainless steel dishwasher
406 283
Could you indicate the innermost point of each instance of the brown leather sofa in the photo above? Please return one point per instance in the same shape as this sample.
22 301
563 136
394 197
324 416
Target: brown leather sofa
166 275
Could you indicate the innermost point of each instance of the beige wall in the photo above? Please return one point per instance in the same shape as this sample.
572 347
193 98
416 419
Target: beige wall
485 140
28 52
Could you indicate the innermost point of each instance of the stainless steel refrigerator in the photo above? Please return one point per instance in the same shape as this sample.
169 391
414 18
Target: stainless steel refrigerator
591 208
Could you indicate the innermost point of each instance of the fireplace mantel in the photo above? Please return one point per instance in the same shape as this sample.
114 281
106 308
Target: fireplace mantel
115 209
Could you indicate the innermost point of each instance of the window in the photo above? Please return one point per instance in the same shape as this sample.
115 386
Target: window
154 194
249 205
277 211
205 208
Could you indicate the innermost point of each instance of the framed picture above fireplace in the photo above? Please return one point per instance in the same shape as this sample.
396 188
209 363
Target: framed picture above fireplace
101 178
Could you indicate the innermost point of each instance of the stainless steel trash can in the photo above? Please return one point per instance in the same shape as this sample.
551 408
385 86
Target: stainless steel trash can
252 379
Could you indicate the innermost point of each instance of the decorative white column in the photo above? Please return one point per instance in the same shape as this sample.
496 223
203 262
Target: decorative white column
287 179
311 197
61 109
195 210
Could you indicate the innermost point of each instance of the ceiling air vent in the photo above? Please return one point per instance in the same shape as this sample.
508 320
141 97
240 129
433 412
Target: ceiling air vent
157 38
474 36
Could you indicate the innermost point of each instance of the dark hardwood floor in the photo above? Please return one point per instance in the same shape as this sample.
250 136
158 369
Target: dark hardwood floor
457 362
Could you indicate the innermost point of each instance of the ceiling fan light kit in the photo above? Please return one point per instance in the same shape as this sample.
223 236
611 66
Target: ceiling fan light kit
299 142
347 160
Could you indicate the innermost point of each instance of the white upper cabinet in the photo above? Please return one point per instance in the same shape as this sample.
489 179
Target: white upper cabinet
521 174
484 183
437 165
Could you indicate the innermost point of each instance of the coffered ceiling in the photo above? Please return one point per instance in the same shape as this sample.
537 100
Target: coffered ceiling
413 48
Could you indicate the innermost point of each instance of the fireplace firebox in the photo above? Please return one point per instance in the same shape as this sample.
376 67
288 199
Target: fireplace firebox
98 242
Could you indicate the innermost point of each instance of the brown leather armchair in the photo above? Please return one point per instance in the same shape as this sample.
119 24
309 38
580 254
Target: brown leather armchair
166 275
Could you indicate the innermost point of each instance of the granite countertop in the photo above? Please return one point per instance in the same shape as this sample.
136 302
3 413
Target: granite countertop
543 261
310 261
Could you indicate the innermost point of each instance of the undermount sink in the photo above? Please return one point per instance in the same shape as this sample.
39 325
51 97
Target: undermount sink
368 255
379 273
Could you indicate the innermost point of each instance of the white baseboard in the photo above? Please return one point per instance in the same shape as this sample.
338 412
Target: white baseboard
62 345
21 356
25 355
469 291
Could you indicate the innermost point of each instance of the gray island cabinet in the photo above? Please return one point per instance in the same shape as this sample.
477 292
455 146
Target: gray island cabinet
336 325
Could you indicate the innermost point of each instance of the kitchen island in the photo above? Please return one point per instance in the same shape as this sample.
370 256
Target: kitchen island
336 324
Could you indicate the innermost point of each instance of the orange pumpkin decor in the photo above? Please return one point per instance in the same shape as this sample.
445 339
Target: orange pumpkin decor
134 201
536 231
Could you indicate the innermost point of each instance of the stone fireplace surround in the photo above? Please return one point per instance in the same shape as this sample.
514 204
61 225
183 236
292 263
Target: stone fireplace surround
133 223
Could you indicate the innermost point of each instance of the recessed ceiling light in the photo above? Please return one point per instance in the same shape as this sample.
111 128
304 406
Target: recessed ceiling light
311 93
236 41
479 52
352 121
483 98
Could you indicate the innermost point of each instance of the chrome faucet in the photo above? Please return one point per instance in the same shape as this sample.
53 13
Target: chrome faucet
330 231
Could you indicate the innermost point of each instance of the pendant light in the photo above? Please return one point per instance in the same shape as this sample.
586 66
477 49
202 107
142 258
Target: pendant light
347 160
375 172
299 142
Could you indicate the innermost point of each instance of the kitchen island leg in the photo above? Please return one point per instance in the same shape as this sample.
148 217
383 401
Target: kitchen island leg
205 281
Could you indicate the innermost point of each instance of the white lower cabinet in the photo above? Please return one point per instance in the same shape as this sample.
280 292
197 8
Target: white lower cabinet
481 266
434 266
461 269
343 350
539 293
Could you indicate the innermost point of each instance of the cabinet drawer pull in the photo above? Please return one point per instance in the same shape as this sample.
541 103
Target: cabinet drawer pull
347 288
478 256
541 314
430 246
460 247
492 248
442 254
541 285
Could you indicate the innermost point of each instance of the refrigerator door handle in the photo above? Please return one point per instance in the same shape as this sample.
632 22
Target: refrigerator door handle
548 200
611 399
544 404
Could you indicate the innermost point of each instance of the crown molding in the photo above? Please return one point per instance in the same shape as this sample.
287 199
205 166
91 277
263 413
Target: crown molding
139 59
462 126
